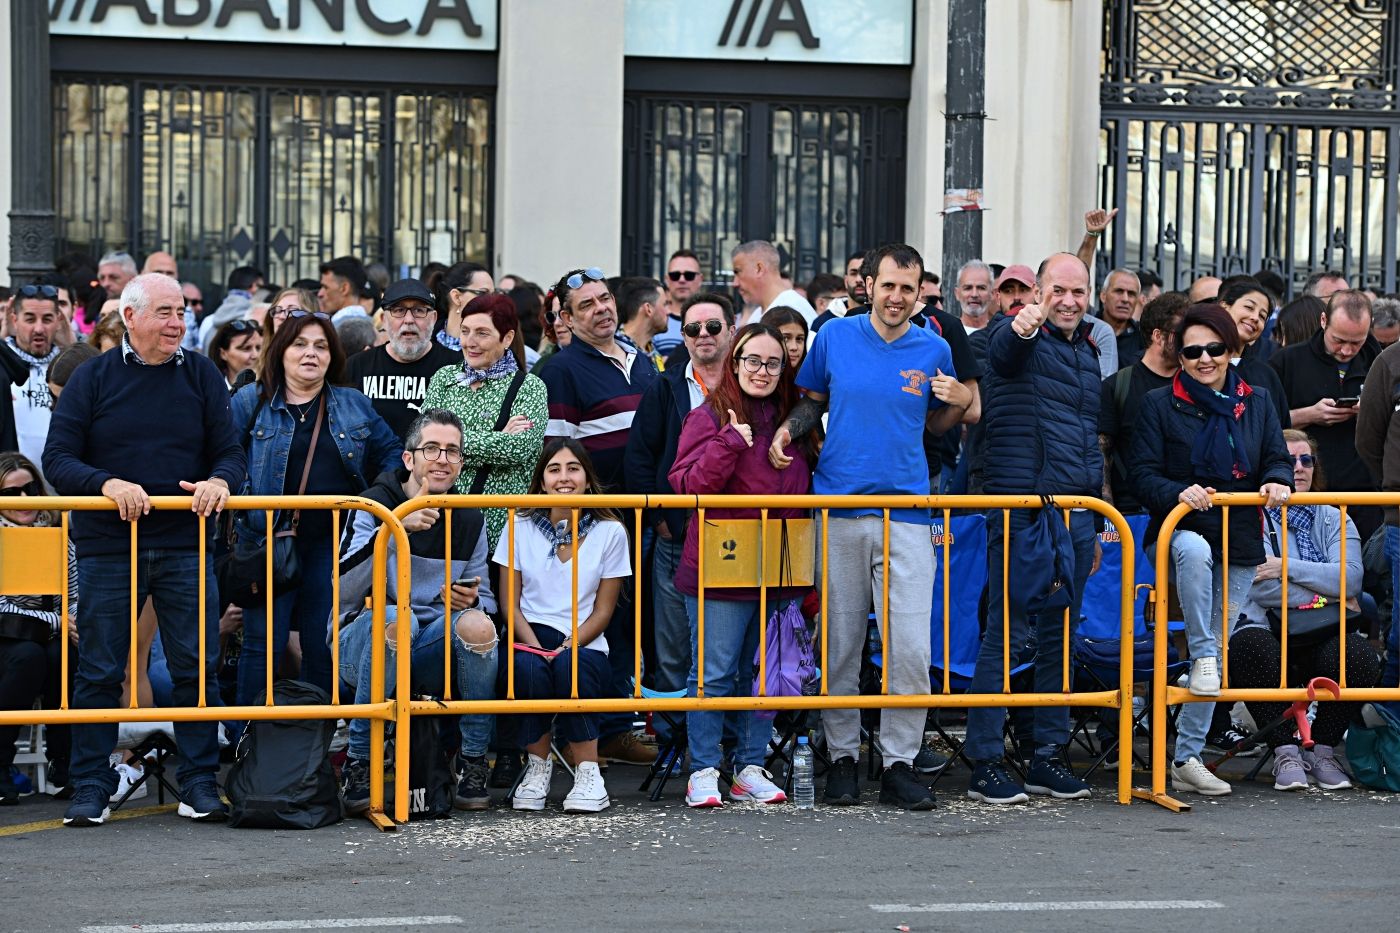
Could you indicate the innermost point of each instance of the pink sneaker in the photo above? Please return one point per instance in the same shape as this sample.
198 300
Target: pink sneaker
753 783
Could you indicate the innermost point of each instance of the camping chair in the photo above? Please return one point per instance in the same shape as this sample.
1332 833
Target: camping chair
670 755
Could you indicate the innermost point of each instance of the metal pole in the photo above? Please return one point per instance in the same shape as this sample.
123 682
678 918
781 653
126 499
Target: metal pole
967 98
31 143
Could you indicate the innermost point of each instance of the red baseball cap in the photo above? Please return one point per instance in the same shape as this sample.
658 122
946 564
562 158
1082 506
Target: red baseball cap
1018 273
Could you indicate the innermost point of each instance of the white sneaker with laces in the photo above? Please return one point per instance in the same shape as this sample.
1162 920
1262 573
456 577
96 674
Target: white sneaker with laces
1194 776
753 783
1205 677
589 794
533 789
702 790
127 775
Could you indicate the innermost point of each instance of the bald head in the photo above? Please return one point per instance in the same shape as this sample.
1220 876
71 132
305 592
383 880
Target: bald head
1204 289
161 264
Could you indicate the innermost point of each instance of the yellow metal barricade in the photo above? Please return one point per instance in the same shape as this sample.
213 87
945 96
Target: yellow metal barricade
1165 695
34 561
1119 699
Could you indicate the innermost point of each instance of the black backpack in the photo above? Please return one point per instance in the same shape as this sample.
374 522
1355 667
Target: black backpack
432 778
282 776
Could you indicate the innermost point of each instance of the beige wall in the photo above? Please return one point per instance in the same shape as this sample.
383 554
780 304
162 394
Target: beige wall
559 137
6 129
928 100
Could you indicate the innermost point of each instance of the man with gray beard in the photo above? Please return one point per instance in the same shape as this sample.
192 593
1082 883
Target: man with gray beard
395 374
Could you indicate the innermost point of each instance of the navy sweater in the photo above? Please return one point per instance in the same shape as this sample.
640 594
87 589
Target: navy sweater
149 425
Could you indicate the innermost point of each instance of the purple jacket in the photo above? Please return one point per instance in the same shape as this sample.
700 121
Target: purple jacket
713 460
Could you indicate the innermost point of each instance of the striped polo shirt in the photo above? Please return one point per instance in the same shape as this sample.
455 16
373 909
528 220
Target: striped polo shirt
593 398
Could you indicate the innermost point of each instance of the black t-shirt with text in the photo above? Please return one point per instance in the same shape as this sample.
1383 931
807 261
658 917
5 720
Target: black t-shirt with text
396 389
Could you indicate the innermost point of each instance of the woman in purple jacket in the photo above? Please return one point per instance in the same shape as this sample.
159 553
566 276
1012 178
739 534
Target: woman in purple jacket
723 448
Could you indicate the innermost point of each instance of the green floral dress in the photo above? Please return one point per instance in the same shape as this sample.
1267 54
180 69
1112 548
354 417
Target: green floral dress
509 457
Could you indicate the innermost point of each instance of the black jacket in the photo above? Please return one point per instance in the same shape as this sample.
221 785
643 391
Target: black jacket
651 445
1159 464
13 371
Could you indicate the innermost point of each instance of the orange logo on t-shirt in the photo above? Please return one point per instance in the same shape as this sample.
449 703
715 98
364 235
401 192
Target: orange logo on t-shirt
916 379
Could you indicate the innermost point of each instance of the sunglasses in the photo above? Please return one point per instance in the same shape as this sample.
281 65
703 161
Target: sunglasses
243 327
1305 460
550 317
282 310
712 327
319 315
38 291
577 279
31 488
679 276
1214 350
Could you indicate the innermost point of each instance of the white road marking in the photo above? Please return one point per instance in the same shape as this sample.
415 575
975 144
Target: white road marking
978 907
328 924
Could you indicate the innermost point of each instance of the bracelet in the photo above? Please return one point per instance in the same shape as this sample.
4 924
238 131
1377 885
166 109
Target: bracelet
1093 233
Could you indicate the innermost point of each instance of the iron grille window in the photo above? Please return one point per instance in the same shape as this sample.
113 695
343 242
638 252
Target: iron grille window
223 175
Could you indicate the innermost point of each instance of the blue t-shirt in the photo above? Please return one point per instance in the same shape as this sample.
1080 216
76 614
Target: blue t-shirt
879 399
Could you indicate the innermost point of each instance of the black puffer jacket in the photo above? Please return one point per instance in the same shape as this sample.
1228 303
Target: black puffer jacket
1159 466
1041 412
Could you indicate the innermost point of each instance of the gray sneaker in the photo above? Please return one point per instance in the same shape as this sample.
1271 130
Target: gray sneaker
1290 770
1322 762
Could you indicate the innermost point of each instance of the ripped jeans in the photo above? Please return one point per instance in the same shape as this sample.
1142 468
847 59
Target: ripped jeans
474 673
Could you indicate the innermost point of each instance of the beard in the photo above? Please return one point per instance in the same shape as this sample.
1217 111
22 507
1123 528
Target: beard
411 347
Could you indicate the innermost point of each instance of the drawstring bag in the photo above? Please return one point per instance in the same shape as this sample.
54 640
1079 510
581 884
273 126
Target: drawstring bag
791 666
1374 751
1042 564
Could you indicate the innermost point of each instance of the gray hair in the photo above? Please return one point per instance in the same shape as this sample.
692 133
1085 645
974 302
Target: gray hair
120 259
441 416
1121 271
136 294
761 250
1385 312
973 265
355 332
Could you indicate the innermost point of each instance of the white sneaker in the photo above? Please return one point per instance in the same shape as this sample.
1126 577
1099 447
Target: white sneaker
127 775
1205 677
1195 776
703 789
533 789
753 783
589 795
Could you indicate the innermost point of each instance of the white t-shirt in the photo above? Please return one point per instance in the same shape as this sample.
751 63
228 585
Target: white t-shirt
547 594
786 299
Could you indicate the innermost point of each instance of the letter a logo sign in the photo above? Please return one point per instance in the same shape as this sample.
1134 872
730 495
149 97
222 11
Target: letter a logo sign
783 16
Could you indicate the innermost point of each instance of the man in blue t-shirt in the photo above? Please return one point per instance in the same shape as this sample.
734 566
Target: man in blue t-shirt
885 382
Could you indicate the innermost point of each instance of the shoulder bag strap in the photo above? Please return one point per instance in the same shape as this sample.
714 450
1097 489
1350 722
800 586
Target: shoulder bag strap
479 478
310 455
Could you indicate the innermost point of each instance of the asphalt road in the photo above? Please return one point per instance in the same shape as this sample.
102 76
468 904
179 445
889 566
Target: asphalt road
1258 860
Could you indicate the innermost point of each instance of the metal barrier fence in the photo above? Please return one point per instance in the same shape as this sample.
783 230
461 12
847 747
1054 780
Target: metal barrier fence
1165 695
1119 699
44 572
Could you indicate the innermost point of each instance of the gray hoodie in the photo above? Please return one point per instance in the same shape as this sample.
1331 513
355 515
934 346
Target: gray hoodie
235 306
1308 578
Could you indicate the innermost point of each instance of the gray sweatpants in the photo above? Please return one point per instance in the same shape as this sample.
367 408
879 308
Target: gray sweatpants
855 569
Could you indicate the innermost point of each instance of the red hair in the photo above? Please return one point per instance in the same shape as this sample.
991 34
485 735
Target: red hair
729 395
503 317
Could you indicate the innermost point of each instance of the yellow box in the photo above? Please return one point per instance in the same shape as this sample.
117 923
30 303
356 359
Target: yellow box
731 552
32 561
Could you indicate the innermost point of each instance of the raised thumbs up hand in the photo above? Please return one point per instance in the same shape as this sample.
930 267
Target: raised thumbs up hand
1028 319
744 430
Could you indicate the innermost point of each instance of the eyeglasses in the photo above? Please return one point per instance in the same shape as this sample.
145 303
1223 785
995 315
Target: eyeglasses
281 310
242 327
550 317
475 292
1215 350
592 272
398 312
753 364
678 275
1306 461
319 315
38 291
31 488
434 452
712 327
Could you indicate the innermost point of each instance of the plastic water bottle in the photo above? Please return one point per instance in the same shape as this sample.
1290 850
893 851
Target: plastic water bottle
803 793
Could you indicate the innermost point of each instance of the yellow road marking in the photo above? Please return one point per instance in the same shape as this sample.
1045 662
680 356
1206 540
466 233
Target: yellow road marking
41 825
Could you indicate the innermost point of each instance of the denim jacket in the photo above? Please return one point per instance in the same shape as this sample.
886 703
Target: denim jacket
367 445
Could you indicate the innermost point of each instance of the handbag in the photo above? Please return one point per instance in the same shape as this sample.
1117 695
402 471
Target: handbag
1042 557
242 571
1310 625
482 472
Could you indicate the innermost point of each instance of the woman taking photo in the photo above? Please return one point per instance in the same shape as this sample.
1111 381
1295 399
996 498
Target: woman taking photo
504 410
546 544
1207 432
723 449
304 434
1315 573
235 348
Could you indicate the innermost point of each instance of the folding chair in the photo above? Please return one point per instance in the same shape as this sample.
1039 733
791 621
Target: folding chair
153 746
670 755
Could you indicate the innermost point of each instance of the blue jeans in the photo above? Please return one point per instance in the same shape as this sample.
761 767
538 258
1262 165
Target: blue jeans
731 639
1201 589
473 675
1391 676
670 629
170 578
308 608
1039 638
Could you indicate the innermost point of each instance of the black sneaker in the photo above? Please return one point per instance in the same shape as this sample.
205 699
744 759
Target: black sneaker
200 802
9 792
842 783
354 784
90 807
929 760
56 780
1052 776
471 790
506 770
900 786
992 783
1226 740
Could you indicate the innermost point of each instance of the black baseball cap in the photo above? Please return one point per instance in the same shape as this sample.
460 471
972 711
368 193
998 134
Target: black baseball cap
406 288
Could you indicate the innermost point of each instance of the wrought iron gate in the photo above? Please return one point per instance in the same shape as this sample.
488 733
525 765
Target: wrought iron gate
226 175
819 178
1240 135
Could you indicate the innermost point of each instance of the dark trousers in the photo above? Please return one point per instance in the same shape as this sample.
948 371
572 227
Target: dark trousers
22 675
538 678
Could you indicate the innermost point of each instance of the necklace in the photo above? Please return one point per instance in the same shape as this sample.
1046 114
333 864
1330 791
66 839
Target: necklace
304 408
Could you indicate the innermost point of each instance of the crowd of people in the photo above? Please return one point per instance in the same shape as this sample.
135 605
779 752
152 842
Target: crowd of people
859 383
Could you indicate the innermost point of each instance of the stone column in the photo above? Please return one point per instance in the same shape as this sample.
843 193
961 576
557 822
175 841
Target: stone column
31 215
